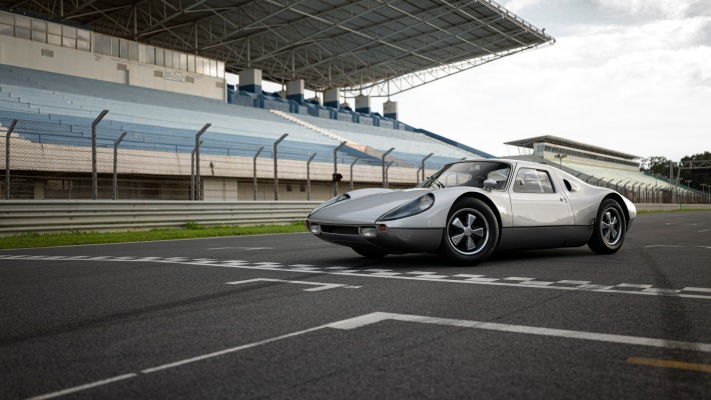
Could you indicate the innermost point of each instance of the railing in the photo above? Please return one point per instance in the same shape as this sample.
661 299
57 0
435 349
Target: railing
106 215
38 216
45 159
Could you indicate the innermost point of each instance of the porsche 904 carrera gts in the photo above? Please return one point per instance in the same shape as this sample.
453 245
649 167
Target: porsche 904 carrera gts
469 209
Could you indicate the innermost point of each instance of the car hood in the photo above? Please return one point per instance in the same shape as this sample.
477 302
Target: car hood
364 207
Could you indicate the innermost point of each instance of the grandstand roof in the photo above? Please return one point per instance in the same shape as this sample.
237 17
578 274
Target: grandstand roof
379 47
555 140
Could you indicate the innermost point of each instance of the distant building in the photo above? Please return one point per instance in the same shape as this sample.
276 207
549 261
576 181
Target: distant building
554 149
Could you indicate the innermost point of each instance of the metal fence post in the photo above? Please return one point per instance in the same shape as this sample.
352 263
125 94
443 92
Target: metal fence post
198 192
423 165
308 176
254 172
352 164
335 167
276 177
383 163
7 158
387 180
116 144
94 182
192 171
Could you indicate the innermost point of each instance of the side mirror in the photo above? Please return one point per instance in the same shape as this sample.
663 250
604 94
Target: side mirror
490 184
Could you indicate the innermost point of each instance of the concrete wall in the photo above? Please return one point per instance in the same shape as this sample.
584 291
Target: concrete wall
28 54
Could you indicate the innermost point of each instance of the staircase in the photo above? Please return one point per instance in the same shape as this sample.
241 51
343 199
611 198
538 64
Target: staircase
363 148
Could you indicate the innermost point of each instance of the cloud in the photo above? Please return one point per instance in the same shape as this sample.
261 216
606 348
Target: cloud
641 88
657 9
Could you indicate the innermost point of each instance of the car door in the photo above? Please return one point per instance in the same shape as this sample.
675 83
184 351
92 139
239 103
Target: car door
536 201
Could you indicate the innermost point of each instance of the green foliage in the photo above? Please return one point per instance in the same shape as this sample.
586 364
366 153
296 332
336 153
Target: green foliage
193 226
29 240
688 177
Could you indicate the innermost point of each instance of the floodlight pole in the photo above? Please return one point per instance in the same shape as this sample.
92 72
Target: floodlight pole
116 144
94 183
383 163
308 176
352 164
7 158
198 192
423 165
254 172
276 178
335 167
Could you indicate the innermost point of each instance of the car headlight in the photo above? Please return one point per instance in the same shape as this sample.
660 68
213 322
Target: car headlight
412 207
330 202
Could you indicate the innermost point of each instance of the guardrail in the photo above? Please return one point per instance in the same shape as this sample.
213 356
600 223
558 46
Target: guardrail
25 216
671 207
45 216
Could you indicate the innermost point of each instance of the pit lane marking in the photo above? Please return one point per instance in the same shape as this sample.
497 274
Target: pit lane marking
653 362
626 288
376 317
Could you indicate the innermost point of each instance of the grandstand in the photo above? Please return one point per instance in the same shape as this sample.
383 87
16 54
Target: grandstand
603 167
62 66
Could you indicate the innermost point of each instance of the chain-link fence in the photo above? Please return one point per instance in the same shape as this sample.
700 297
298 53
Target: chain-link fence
640 192
44 159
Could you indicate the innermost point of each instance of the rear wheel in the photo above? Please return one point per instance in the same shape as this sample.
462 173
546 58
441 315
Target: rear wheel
609 230
471 233
371 253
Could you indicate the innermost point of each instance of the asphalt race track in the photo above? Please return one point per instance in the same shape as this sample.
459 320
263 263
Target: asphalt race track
290 316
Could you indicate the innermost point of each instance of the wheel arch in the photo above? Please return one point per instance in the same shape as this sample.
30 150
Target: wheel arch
486 201
618 198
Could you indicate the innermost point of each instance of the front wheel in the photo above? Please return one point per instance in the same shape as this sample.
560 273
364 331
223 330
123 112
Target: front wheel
471 233
609 230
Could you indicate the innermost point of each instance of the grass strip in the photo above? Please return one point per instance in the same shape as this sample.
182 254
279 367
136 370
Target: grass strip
193 230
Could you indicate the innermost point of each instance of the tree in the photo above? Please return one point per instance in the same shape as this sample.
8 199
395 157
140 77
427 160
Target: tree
658 165
697 176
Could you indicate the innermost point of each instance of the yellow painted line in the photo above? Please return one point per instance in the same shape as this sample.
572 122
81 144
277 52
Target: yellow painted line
653 362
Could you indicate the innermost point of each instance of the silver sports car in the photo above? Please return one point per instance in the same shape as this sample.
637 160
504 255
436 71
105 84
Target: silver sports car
468 209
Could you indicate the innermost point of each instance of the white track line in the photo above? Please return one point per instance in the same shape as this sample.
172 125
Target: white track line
421 276
372 318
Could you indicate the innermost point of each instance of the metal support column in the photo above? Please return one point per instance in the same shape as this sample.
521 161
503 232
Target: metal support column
276 177
423 165
94 179
383 163
387 180
254 171
7 158
335 167
351 176
308 176
198 192
192 172
116 144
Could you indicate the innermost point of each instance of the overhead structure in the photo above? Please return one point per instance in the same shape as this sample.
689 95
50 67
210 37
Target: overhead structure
369 47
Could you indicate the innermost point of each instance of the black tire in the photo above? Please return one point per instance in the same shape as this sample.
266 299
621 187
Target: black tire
471 233
370 253
610 228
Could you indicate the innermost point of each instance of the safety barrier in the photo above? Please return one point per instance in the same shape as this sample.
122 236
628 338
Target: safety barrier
25 216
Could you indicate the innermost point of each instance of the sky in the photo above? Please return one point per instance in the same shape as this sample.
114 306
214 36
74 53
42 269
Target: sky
628 75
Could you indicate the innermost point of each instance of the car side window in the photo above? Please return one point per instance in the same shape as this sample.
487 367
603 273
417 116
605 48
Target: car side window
529 180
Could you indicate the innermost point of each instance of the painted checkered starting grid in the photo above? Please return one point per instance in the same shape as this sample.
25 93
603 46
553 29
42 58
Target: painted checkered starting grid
698 292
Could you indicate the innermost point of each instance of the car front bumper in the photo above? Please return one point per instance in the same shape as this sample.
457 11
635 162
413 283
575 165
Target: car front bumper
395 240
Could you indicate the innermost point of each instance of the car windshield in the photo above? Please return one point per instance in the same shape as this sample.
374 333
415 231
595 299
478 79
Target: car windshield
472 173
